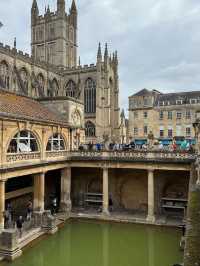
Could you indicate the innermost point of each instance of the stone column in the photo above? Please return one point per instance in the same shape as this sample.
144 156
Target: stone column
151 207
39 190
105 192
65 204
2 203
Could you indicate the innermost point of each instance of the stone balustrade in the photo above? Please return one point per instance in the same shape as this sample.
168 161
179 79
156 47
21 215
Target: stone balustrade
16 157
144 155
134 155
53 154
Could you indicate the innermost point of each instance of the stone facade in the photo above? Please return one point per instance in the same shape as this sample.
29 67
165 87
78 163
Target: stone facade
51 74
165 115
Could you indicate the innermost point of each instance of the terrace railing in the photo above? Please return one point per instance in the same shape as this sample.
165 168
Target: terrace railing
17 157
145 155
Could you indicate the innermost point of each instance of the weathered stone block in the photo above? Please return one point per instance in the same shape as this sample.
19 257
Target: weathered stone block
9 247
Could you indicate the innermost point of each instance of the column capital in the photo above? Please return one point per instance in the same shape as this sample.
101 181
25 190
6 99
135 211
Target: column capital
3 180
150 170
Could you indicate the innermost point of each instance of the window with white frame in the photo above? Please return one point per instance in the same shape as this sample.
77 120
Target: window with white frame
188 115
161 131
161 115
178 115
24 141
179 102
188 131
170 115
56 143
193 101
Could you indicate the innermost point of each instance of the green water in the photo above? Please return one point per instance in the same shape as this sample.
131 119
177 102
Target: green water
104 244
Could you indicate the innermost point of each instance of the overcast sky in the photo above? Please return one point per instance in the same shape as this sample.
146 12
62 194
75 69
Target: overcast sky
158 41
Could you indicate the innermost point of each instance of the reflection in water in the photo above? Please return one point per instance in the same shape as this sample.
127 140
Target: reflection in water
104 244
150 235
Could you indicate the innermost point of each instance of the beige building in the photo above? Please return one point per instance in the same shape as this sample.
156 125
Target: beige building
86 96
165 115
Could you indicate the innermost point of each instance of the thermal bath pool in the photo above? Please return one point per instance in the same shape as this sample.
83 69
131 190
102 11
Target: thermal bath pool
83 243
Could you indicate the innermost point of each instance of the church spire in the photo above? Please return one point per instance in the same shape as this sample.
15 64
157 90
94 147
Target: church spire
34 5
106 53
61 7
99 54
73 7
34 11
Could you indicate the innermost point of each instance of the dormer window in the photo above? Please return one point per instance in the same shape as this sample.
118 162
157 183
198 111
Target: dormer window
179 102
193 101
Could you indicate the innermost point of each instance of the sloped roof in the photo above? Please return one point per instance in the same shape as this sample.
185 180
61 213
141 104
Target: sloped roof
22 107
173 97
145 92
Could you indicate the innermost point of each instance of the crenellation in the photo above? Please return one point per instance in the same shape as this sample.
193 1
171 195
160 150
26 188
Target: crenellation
61 73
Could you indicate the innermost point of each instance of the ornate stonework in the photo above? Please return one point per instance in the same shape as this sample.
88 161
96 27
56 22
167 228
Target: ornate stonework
51 73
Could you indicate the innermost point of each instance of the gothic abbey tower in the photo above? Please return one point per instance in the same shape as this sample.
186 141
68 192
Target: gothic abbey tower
54 35
84 95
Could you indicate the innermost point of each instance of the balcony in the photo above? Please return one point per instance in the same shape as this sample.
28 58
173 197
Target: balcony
135 155
18 157
54 154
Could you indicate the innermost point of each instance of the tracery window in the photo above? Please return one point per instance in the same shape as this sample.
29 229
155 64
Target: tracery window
4 75
70 89
41 82
23 142
90 130
24 78
90 96
55 87
56 143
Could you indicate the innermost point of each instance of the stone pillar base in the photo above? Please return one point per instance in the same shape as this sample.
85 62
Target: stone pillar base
49 223
9 255
151 219
66 206
9 248
105 213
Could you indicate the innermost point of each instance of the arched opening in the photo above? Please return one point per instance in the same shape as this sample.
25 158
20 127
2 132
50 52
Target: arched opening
55 87
4 75
56 143
41 83
23 142
90 129
25 79
90 96
70 89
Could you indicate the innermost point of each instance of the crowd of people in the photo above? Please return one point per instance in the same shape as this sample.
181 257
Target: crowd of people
14 220
150 144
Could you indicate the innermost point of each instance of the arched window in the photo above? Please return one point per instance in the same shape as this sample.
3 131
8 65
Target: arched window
41 82
56 143
55 87
90 130
90 96
4 75
24 78
70 89
23 141
50 89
